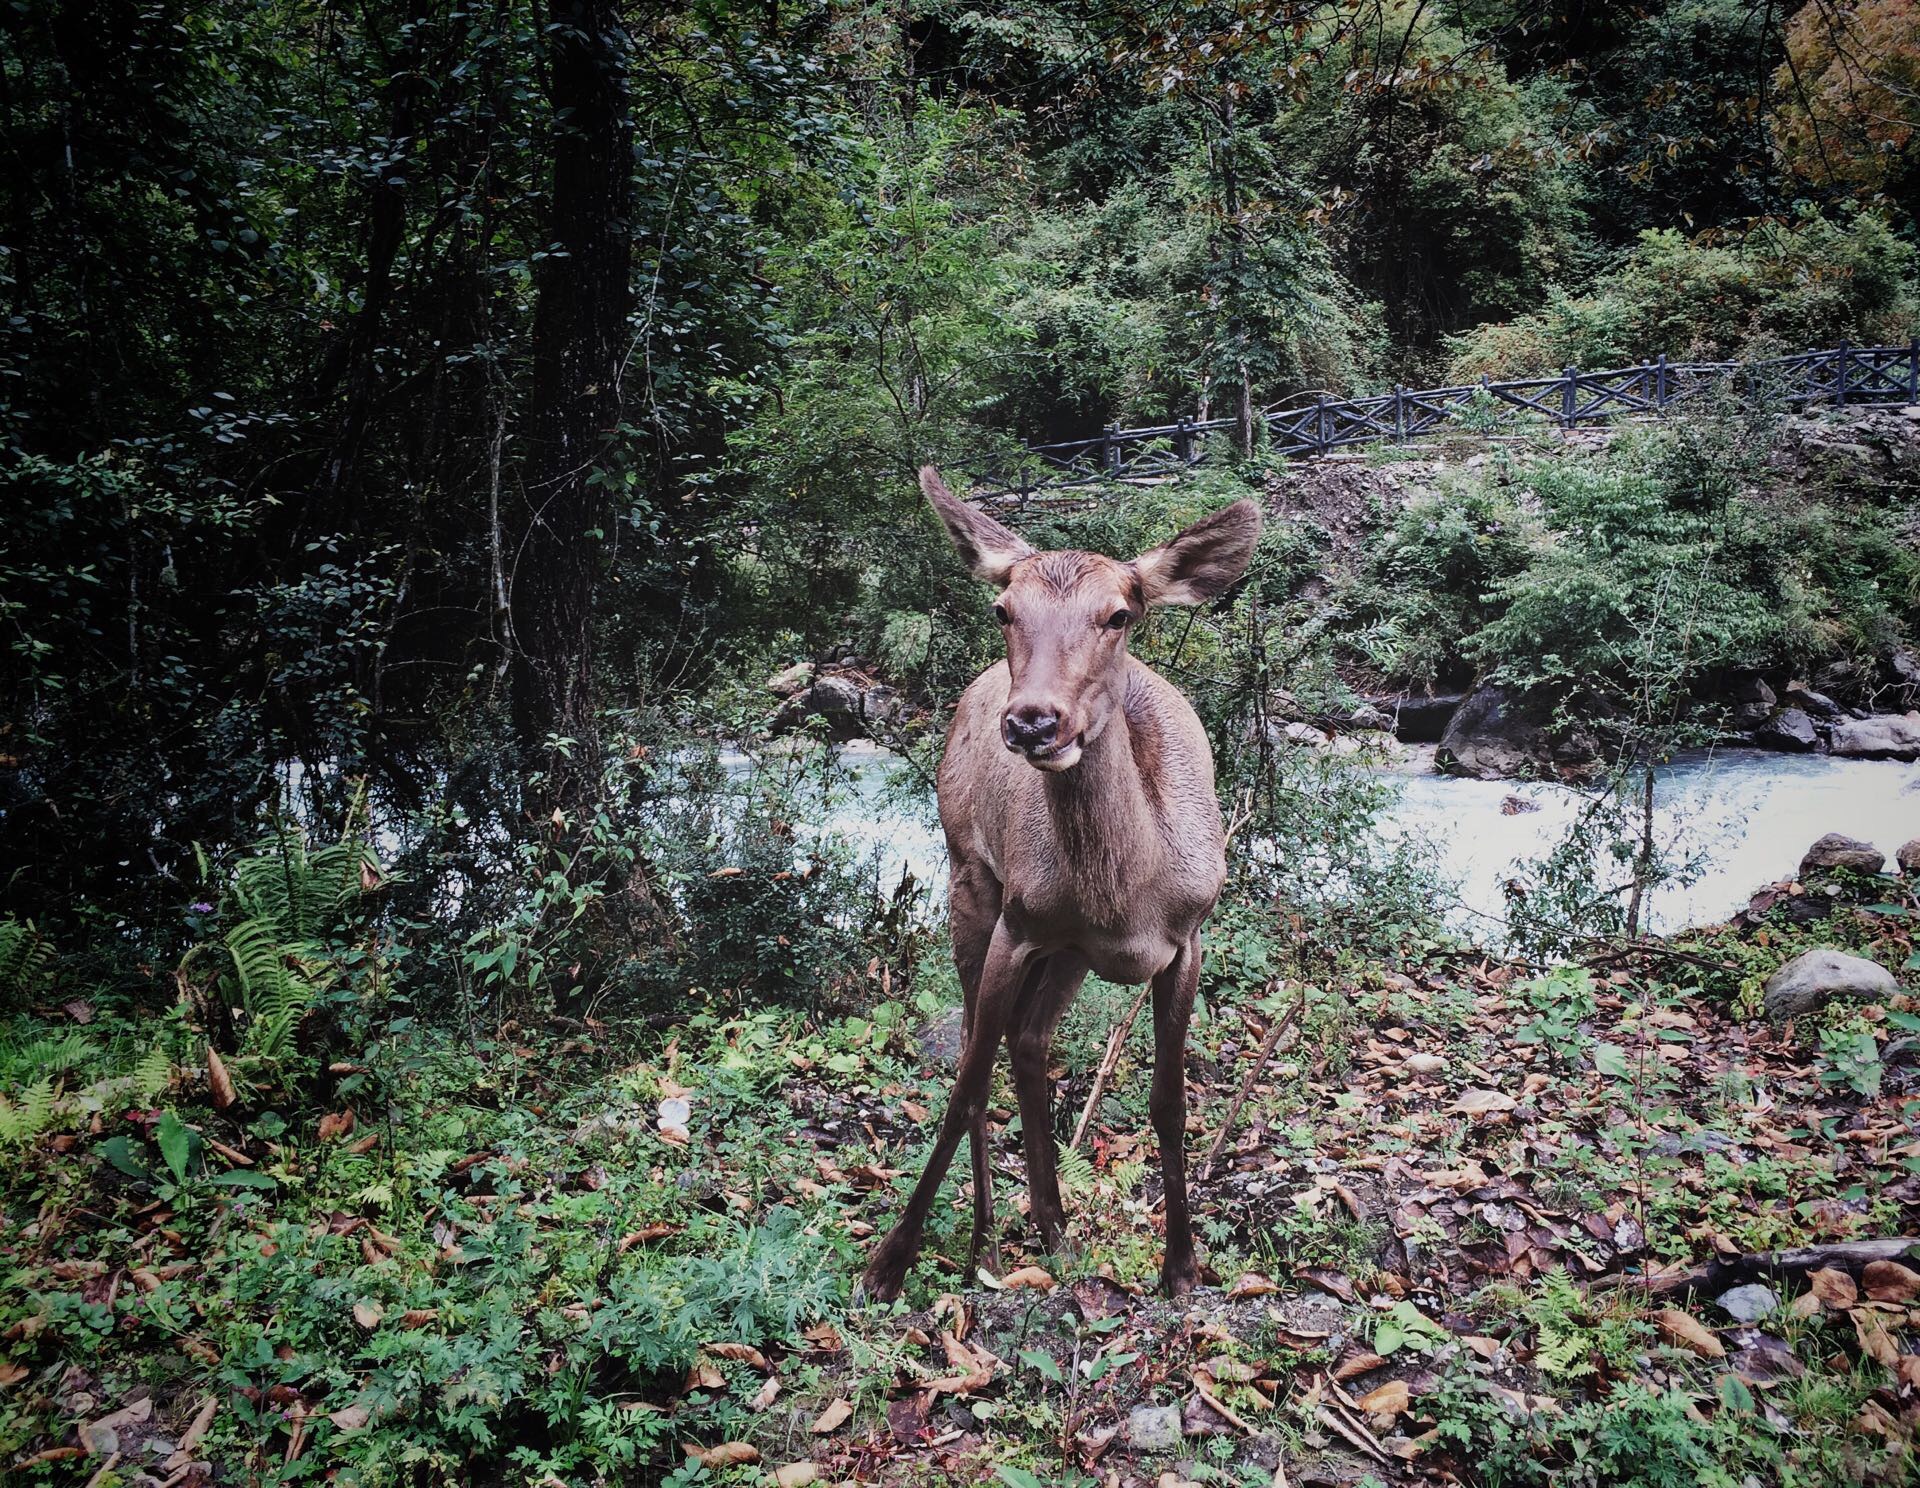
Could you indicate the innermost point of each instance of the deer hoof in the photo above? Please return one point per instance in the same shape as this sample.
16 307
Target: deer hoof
886 1273
1177 1281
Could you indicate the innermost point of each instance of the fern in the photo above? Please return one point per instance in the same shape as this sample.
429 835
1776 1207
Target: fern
154 1073
50 1056
24 1119
1076 1172
26 959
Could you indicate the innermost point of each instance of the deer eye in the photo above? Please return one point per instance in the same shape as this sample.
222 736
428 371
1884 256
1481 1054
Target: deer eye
1119 619
1000 615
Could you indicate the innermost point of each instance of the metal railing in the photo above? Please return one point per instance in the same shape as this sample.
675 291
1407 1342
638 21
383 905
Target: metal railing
1845 375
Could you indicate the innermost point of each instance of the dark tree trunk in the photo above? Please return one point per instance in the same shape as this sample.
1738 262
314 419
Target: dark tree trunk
579 343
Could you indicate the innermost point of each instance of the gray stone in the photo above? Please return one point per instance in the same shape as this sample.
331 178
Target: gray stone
796 678
940 1040
1838 851
1752 690
1422 720
1816 703
1814 978
1154 1428
839 701
1790 729
1883 736
1908 857
1749 1303
1492 736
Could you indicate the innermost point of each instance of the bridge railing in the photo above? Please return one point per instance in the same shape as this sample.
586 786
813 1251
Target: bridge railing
1845 375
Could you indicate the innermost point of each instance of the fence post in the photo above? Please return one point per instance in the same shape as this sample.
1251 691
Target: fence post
1840 376
1320 425
1399 414
1913 370
1569 395
1183 441
1660 384
1109 450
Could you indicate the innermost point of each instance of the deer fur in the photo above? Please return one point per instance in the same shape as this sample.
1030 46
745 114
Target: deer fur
1077 798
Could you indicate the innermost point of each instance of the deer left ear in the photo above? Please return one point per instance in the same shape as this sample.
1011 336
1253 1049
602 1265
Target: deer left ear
1202 561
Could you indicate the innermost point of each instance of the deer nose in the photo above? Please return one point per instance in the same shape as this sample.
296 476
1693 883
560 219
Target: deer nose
1029 727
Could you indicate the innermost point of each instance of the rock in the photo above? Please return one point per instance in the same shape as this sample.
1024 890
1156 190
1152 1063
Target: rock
1492 736
1837 851
1790 730
1908 857
838 700
1752 689
1903 669
1750 716
1883 736
796 678
1366 716
940 1040
1814 978
1422 720
1749 1303
1799 695
1154 1428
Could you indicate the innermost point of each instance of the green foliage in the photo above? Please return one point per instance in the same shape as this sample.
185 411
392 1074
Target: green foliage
1812 281
1561 1001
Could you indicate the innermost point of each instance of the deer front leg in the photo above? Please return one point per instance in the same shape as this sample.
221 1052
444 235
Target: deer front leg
1173 992
973 910
1031 1045
1001 982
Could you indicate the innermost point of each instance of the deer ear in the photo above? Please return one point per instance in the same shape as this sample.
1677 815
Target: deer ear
1202 561
987 548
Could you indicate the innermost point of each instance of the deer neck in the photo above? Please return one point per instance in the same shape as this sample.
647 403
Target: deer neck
1103 817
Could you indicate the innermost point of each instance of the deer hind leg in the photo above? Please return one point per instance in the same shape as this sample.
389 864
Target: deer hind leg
1005 975
1173 992
1031 1044
974 900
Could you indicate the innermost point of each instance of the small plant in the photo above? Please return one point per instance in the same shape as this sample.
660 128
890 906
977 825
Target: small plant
1561 1001
1849 1055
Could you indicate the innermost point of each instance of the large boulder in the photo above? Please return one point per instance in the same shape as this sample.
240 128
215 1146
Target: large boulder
1908 857
1814 978
790 680
1836 850
1422 720
1494 735
840 702
1753 702
1790 730
1801 696
1883 736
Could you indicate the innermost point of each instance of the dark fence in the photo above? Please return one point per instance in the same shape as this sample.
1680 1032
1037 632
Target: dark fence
1845 375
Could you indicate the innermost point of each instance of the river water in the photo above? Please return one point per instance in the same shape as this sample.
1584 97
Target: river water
1742 818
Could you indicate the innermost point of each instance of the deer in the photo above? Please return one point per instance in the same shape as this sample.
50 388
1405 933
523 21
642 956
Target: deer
1083 833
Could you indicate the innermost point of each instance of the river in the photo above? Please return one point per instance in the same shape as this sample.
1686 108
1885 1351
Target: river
1741 817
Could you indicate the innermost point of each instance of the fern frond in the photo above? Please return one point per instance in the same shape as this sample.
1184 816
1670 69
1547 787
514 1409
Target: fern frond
23 1119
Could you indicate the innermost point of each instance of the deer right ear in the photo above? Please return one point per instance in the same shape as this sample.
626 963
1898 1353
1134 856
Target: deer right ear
987 548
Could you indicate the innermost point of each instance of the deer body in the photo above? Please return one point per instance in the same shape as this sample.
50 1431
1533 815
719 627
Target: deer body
1076 794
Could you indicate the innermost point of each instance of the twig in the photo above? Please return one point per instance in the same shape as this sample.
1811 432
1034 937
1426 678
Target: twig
1280 1026
1219 1407
1115 1042
1846 1255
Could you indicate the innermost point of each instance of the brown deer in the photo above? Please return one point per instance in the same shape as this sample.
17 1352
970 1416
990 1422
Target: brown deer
1076 793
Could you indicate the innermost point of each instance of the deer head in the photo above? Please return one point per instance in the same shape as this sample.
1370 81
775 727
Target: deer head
1066 615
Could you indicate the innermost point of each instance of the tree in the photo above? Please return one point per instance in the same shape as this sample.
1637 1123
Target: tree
1851 94
582 281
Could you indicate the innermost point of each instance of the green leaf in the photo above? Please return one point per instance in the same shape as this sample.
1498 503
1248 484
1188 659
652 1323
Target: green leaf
176 1144
1610 1059
1017 1477
120 1152
245 1178
1040 1360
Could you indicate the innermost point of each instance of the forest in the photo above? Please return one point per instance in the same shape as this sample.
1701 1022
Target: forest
475 969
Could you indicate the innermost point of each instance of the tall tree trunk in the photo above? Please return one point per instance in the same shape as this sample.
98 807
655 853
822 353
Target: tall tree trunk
579 341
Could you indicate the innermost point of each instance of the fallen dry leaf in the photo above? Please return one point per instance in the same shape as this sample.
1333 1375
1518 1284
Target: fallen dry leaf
739 1353
11 1374
1027 1278
1889 1281
703 1376
644 1234
1477 1102
1833 1287
1251 1284
796 1474
1875 1342
368 1314
766 1394
1687 1332
833 1417
727 1454
1356 1364
335 1124
417 1317
1391 1399
350 1418
219 1081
